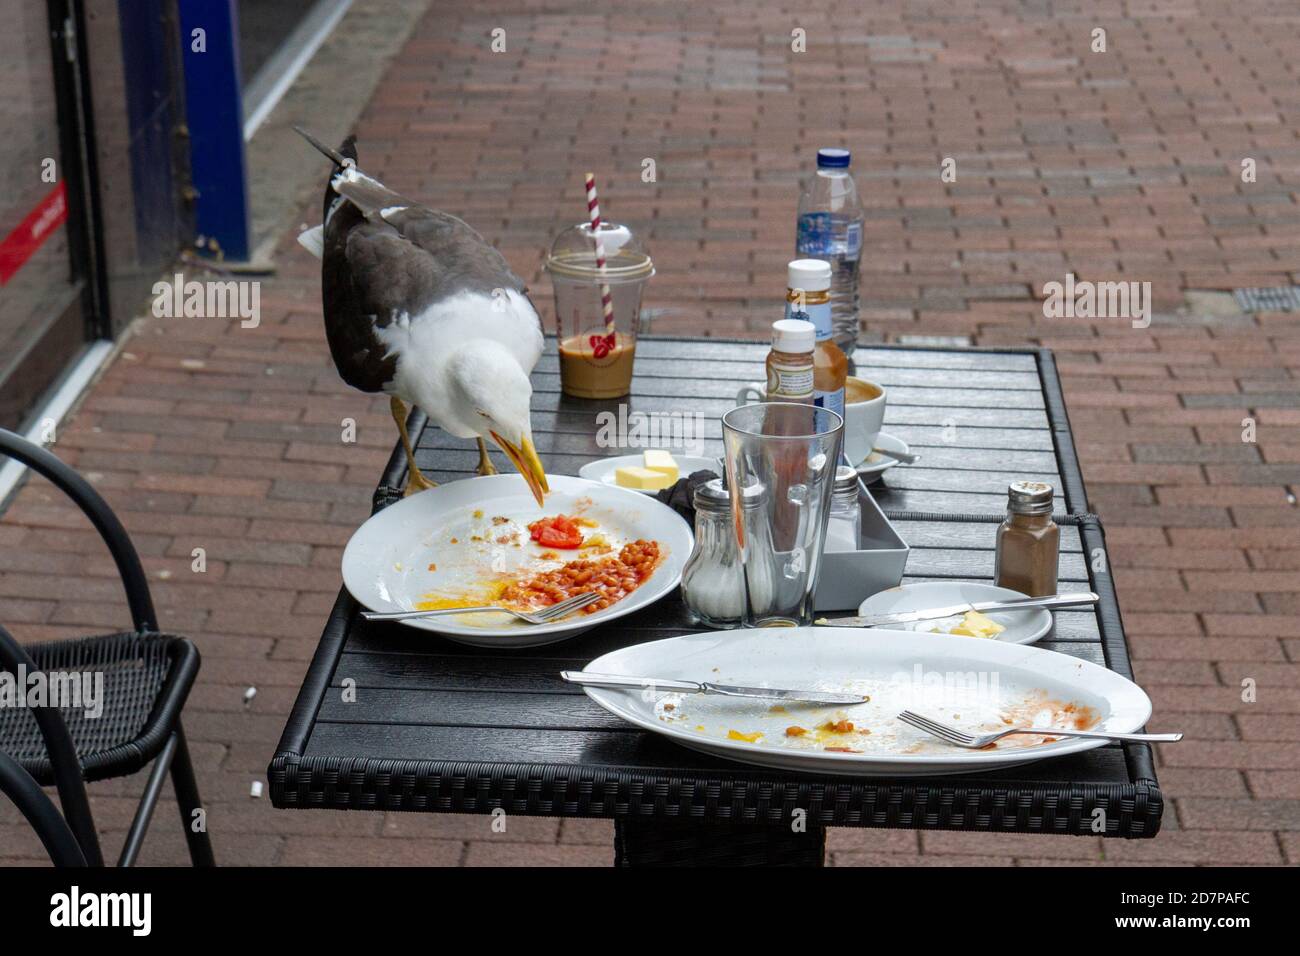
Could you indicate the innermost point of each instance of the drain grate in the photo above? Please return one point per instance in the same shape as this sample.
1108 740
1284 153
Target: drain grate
1283 298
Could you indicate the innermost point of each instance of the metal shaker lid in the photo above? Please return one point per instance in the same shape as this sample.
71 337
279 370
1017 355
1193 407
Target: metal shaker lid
714 495
846 480
1029 498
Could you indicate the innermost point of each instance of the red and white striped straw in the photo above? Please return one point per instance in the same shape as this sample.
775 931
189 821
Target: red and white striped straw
593 207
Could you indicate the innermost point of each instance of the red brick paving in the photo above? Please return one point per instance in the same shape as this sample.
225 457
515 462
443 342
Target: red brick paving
1124 164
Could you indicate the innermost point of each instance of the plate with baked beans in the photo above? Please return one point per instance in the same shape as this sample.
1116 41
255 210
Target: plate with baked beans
484 541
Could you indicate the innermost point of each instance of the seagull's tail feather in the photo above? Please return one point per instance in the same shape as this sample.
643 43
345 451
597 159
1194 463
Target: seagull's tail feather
347 151
344 157
347 159
367 194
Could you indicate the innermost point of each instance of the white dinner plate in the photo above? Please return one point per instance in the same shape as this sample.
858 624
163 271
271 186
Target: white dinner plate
1022 627
602 469
968 683
453 541
876 463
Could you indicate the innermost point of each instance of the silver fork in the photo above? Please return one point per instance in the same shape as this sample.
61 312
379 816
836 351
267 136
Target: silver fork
961 739
545 616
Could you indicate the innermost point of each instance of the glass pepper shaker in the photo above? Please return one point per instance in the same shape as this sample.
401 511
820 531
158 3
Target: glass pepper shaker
844 529
1028 544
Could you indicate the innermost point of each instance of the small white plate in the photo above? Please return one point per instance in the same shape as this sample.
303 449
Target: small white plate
1022 627
875 463
454 540
602 469
974 685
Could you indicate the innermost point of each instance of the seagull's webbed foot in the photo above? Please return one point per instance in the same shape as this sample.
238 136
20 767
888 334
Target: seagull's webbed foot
415 480
485 466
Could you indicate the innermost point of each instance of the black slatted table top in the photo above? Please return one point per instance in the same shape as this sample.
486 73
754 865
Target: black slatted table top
438 726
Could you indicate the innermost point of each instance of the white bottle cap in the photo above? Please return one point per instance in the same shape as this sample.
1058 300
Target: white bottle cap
794 336
811 275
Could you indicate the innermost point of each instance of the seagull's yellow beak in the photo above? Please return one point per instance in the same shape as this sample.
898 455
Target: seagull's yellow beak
530 466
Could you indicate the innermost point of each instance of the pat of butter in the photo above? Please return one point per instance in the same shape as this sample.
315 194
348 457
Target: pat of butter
660 461
634 476
975 624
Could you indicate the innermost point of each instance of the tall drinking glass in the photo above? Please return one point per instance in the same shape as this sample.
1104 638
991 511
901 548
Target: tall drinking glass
784 455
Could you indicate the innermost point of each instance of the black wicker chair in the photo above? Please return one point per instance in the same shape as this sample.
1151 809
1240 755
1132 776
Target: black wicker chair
147 677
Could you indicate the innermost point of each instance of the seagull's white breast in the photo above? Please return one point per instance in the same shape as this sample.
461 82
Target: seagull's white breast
426 341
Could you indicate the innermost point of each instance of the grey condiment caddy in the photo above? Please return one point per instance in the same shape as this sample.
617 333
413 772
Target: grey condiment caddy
850 577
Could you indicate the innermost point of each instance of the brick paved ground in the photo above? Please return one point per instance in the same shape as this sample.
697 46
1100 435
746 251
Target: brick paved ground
1124 164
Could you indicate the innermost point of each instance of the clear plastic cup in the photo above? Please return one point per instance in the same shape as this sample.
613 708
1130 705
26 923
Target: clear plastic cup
595 363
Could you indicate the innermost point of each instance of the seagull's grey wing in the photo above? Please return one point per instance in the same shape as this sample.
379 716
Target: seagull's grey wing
460 259
369 275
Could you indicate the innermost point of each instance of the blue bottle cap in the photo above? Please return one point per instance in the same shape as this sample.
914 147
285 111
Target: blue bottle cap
833 158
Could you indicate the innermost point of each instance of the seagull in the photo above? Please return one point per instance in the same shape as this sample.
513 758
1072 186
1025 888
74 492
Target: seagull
419 306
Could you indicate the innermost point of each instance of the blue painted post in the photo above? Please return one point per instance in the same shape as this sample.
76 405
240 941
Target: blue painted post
215 116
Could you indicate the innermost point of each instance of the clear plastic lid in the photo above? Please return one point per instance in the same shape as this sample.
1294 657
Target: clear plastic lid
573 255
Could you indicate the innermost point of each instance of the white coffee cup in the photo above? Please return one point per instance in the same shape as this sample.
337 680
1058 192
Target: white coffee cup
863 419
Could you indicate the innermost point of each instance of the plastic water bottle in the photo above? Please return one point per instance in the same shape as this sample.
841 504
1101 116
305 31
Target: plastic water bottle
830 228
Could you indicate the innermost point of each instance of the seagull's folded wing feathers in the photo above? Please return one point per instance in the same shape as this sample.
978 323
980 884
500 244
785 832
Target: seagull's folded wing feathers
396 261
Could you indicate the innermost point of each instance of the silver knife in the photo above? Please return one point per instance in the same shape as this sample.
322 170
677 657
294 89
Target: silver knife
935 613
657 684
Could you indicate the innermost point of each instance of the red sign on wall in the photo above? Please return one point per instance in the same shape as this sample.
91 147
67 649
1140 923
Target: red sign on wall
30 234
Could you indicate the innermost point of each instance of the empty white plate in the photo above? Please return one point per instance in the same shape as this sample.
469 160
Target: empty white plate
1022 627
972 684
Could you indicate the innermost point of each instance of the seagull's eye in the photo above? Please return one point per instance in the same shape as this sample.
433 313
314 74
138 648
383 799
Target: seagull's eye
483 413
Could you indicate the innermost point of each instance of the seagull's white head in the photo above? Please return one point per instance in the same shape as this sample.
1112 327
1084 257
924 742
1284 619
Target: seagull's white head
494 396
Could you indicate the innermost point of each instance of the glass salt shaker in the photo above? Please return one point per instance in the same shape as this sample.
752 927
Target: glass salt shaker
844 529
713 581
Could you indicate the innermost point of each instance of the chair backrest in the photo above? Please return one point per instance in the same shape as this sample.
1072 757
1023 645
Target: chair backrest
101 516
63 762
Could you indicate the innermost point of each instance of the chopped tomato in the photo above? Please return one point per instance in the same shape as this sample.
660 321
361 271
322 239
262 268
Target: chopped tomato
557 532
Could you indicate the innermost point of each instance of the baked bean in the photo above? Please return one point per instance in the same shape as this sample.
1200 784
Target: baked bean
614 578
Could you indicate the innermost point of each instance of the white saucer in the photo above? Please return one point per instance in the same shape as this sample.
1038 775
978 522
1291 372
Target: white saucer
602 469
875 463
1022 627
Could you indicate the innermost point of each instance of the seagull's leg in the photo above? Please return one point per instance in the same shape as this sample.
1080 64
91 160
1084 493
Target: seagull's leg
485 466
415 480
